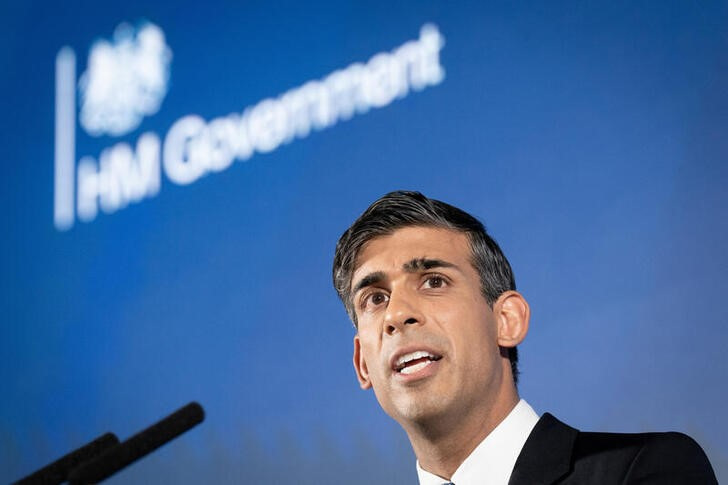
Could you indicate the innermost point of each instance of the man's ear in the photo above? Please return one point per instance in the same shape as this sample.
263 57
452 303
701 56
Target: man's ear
512 313
360 365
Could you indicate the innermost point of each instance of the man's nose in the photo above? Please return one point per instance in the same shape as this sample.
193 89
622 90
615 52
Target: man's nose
402 310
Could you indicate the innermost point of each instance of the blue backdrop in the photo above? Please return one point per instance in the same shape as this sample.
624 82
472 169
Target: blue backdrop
591 138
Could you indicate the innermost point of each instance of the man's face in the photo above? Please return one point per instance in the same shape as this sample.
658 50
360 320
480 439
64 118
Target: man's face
427 340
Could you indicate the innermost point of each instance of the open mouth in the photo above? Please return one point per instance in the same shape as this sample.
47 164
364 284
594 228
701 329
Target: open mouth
415 361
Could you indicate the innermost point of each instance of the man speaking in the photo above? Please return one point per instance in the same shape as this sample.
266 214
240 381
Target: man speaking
438 322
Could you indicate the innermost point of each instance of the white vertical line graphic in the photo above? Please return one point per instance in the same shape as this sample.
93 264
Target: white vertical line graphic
65 151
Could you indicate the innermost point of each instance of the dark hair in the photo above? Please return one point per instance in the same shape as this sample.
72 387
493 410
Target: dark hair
405 209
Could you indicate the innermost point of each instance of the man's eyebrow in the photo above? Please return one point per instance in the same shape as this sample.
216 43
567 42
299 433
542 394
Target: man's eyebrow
419 264
412 266
368 280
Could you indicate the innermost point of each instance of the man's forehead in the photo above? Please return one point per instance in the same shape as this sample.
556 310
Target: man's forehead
412 246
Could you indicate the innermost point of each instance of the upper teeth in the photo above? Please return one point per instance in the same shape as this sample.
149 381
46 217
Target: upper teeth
413 356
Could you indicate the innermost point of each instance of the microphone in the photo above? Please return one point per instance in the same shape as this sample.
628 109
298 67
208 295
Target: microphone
139 445
58 471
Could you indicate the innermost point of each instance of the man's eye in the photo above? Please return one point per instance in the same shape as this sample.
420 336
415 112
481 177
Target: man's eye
434 281
375 299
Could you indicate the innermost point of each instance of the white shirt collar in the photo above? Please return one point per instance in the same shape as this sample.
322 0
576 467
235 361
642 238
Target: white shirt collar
492 461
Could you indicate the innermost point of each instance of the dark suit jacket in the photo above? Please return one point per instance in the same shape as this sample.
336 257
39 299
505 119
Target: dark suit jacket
557 453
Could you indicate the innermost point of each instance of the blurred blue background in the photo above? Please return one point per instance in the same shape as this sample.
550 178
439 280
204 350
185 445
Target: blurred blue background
590 137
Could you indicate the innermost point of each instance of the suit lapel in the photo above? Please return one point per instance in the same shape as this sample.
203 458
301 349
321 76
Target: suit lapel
546 456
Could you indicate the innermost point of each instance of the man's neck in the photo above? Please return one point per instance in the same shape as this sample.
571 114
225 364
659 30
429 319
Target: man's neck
441 449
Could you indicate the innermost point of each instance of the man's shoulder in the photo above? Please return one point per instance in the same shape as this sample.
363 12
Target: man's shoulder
668 457
558 453
588 442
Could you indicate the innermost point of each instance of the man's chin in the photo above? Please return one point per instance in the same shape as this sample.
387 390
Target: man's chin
421 411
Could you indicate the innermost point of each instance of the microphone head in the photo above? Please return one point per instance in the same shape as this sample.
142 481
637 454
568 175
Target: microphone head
139 445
